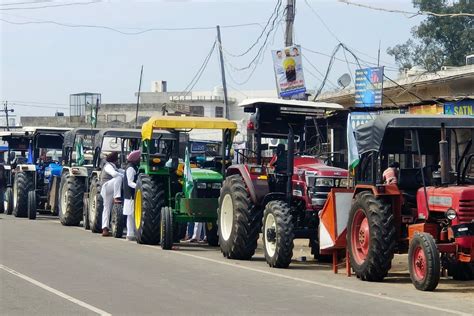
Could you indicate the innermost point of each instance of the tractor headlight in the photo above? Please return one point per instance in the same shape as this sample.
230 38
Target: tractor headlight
216 186
451 214
201 185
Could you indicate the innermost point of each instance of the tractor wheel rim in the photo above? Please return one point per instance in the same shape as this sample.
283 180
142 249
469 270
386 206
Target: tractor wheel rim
227 217
64 200
270 223
360 237
419 263
138 209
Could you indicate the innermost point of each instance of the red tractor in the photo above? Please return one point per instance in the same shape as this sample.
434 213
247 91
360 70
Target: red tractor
429 211
288 200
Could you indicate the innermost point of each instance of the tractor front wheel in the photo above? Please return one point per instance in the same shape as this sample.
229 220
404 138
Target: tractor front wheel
166 228
211 234
117 222
149 199
85 213
461 271
370 237
424 262
278 234
32 204
70 200
239 223
23 184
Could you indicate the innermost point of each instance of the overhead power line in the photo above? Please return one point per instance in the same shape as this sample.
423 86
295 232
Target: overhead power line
109 28
412 14
49 5
39 106
26 2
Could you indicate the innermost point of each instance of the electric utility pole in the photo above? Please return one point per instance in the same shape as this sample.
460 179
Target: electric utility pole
290 19
224 84
6 110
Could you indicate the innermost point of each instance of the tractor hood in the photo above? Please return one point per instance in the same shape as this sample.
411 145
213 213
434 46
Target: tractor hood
317 167
206 175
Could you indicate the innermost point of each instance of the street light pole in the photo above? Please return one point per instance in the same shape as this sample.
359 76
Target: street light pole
224 84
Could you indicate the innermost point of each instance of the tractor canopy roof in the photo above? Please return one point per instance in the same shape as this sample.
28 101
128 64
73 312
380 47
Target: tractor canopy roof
71 135
185 123
46 130
127 134
384 130
272 117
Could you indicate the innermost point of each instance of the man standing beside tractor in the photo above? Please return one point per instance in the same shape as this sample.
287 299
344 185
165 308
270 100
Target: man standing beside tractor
111 180
129 190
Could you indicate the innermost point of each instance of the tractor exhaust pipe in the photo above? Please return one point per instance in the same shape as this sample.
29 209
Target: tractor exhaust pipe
290 164
444 156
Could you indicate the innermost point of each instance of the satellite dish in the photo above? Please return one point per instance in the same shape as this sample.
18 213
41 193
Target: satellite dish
344 80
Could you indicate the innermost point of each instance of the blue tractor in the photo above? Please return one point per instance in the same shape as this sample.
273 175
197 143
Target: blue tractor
34 170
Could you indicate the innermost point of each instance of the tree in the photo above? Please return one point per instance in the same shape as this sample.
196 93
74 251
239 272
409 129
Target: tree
438 41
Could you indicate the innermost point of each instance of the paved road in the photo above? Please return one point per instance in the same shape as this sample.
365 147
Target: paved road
48 269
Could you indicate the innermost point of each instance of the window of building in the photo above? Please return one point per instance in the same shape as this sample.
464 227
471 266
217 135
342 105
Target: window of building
196 110
116 118
219 111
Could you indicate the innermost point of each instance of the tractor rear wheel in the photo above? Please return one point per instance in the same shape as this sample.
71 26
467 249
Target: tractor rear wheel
8 201
117 222
370 237
166 228
71 200
149 199
211 234
278 234
32 204
424 262
238 222
461 271
96 205
23 184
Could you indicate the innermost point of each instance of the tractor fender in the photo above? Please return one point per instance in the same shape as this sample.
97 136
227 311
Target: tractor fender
379 190
75 171
25 168
273 196
244 173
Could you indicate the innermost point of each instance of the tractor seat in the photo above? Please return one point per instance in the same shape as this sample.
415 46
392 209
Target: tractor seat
409 183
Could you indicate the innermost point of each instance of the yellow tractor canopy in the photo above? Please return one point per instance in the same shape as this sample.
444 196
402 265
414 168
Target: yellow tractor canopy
184 123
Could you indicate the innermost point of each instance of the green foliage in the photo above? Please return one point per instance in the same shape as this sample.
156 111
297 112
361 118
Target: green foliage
438 41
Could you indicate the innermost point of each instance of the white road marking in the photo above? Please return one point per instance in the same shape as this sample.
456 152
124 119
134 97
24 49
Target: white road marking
335 287
54 291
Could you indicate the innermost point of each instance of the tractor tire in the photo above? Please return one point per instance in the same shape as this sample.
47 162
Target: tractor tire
424 262
238 222
461 271
70 200
95 207
370 237
211 234
32 204
8 202
166 228
85 213
149 200
278 234
23 184
117 222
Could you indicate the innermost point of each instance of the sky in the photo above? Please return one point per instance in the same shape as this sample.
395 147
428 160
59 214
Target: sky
41 64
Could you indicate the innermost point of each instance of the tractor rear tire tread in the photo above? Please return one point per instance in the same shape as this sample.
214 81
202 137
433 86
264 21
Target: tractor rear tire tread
153 199
242 242
32 204
75 187
382 237
166 232
24 184
9 201
117 222
95 220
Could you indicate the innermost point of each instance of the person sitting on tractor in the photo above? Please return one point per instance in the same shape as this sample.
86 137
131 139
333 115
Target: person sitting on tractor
390 175
111 181
133 160
279 161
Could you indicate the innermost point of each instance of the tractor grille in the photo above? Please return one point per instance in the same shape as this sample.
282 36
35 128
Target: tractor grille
466 211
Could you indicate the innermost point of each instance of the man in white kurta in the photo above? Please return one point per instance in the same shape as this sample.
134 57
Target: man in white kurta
111 179
129 191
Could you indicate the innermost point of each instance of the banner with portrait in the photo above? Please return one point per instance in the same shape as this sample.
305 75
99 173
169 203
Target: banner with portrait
288 71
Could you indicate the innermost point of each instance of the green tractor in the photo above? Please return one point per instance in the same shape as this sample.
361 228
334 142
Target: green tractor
169 192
